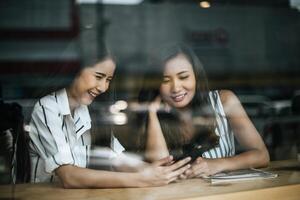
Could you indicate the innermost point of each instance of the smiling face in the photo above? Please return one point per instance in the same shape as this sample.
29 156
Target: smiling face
179 83
91 82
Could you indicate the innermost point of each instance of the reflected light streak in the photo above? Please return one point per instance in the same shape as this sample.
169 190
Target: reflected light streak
121 105
118 106
113 109
104 157
119 118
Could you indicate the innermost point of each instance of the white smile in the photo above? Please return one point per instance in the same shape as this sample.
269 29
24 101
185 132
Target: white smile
179 97
93 94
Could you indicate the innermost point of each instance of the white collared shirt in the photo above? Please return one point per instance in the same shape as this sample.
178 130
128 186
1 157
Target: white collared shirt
57 138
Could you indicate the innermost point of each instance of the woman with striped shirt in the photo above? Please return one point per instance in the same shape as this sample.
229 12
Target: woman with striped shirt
61 140
183 90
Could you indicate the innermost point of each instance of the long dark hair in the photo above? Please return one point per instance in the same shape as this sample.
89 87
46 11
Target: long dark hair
15 142
174 127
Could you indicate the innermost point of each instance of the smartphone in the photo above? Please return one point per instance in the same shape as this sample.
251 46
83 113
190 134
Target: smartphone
191 150
202 142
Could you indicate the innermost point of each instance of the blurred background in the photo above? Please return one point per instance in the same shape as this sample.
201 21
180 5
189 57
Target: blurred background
251 47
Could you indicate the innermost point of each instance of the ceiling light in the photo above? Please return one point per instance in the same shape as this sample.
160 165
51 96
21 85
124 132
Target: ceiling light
204 4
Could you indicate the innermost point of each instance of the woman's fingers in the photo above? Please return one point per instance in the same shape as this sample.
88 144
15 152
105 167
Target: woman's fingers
179 171
199 160
173 179
162 105
165 174
172 172
199 172
167 107
158 104
157 99
164 161
198 167
202 175
179 164
155 105
171 163
182 176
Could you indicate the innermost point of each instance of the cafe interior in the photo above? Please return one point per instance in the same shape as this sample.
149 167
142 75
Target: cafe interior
250 47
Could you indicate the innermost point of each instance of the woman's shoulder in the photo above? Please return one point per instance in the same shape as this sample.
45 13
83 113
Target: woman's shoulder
230 101
47 102
227 96
224 95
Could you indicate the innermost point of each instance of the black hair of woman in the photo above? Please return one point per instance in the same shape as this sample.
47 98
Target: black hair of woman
17 149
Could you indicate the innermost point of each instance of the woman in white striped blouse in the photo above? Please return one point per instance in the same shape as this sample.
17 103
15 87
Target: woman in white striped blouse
60 138
184 90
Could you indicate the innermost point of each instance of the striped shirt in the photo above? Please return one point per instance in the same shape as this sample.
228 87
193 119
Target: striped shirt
57 138
226 146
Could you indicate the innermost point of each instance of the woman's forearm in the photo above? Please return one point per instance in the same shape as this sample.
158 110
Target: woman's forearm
156 147
159 173
76 177
245 133
252 158
203 167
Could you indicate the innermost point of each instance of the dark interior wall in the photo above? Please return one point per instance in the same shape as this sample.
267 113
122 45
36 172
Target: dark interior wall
37 40
242 47
238 44
228 39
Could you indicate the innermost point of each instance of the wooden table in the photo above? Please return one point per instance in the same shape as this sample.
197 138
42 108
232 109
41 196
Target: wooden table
285 186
